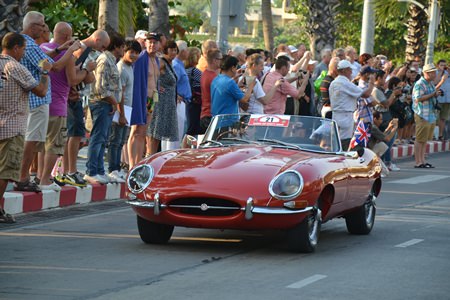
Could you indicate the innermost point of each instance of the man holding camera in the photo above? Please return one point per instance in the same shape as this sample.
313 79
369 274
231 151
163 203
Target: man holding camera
424 98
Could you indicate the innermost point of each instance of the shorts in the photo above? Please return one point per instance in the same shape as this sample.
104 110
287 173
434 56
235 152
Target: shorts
56 135
11 154
444 113
75 119
37 124
424 130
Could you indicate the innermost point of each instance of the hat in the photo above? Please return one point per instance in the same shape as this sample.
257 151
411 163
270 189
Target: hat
292 49
413 69
140 34
367 69
284 54
344 64
312 62
429 68
153 36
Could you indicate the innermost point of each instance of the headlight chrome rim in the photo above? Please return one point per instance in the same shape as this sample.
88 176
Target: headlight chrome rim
145 183
287 197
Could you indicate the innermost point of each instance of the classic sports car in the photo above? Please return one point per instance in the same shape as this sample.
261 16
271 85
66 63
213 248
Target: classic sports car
257 172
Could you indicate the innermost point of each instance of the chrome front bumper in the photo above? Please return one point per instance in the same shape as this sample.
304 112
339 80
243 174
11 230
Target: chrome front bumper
249 208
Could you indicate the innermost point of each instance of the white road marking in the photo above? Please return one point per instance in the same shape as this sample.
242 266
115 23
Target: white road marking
306 281
409 243
420 179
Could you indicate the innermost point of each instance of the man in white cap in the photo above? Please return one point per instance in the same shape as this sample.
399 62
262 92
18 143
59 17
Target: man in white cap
424 98
343 98
141 36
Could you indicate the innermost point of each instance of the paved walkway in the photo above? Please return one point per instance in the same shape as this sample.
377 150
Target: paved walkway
23 202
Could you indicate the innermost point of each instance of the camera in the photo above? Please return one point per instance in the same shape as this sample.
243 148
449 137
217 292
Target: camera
442 92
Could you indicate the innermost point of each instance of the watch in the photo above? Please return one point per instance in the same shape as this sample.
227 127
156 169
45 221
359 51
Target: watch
44 72
57 51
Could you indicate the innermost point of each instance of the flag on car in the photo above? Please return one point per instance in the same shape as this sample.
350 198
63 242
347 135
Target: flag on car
361 135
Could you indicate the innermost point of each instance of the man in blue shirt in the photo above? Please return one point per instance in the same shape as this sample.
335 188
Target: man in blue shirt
225 93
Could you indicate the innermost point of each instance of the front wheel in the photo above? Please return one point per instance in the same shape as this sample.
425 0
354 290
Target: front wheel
362 220
303 238
154 233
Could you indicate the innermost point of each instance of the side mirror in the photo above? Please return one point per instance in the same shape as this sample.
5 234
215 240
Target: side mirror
191 142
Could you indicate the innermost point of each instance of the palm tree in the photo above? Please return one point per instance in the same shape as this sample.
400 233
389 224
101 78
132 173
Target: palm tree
108 15
321 24
158 17
266 12
11 15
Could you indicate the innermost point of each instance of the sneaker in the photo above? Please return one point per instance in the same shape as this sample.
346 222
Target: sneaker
6 218
95 179
123 174
59 180
27 186
51 187
115 177
392 167
75 179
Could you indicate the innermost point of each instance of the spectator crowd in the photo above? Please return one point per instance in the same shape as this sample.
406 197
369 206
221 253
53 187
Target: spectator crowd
129 98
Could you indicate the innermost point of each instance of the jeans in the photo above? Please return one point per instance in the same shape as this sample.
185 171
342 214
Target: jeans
116 141
387 155
101 122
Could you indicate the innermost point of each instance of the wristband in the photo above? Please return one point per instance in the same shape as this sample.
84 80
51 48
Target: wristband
44 72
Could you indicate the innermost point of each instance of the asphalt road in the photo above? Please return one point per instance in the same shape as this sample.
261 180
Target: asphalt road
94 252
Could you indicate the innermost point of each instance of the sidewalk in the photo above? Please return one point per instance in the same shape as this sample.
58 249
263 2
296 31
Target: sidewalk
23 202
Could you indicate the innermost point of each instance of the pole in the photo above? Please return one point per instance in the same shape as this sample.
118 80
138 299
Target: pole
432 30
368 28
223 19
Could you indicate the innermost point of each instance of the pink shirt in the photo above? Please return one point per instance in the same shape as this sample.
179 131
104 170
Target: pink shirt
60 85
278 103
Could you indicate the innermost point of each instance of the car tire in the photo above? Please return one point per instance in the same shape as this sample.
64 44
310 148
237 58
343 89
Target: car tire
303 237
361 221
154 233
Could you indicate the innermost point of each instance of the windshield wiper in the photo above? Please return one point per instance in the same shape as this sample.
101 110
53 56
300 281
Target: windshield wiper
280 143
239 140
213 142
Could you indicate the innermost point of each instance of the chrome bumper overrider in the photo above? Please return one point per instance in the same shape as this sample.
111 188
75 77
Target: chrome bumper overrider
249 208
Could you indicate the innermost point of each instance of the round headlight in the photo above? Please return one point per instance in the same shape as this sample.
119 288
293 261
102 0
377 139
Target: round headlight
139 178
287 185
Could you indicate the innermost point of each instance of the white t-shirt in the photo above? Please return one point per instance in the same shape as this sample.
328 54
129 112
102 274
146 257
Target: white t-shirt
256 107
344 94
126 79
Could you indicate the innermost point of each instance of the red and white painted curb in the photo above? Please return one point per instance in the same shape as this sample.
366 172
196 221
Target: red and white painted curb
22 202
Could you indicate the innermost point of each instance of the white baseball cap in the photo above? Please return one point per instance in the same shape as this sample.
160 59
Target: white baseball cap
344 64
141 34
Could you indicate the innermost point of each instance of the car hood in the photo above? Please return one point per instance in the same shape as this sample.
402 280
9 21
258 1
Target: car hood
226 171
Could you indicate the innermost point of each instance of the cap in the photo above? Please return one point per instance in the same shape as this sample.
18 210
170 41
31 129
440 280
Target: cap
367 69
429 68
292 49
284 54
312 62
344 64
141 34
153 36
413 69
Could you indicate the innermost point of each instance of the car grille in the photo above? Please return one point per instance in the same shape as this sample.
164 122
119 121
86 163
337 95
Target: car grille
204 206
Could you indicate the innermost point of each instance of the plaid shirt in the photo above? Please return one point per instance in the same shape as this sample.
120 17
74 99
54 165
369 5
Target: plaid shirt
424 109
33 55
107 78
15 84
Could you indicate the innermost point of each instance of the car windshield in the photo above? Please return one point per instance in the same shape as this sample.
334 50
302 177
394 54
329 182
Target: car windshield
296 132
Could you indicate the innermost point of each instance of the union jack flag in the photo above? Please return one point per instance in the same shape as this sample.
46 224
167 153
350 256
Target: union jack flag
361 135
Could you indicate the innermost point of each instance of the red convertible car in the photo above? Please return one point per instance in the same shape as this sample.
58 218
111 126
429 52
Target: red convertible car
254 172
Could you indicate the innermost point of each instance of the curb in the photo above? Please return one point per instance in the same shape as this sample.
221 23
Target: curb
23 202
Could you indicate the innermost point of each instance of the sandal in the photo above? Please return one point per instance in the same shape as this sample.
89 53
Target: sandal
27 186
429 166
6 218
422 166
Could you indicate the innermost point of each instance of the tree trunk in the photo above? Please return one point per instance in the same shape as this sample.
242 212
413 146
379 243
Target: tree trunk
415 40
108 15
266 12
322 25
11 15
158 17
